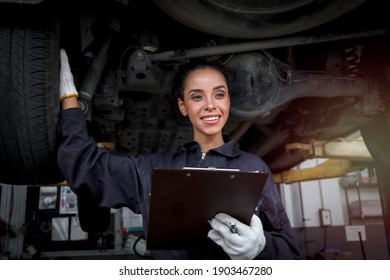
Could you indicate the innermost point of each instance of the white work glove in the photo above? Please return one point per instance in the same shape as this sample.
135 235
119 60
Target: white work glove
246 244
67 86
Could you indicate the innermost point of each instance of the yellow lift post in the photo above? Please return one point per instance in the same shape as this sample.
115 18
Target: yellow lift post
340 153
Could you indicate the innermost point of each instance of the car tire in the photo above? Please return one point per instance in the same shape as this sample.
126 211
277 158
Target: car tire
255 19
29 103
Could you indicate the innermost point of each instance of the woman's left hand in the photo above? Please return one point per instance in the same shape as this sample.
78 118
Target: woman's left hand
244 244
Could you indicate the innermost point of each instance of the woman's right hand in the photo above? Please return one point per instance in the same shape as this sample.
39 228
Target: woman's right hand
67 88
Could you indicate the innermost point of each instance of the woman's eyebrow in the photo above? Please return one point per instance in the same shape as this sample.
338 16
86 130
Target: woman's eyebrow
220 87
195 90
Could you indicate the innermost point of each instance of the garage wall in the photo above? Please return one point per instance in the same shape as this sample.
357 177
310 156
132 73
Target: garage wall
303 202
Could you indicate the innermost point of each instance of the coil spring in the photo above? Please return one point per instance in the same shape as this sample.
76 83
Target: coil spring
352 56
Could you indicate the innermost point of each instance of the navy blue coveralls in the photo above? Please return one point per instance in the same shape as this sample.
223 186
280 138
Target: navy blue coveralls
125 181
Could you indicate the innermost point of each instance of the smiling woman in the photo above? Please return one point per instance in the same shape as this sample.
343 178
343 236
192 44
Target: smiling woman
114 181
205 101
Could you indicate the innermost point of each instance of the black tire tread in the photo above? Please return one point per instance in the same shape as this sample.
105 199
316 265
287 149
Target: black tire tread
29 103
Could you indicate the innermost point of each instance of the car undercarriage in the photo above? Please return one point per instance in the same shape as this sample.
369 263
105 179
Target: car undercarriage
297 73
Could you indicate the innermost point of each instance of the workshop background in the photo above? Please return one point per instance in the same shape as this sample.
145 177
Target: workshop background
303 72
337 218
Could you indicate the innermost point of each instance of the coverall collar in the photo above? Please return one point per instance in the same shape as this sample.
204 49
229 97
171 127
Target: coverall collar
229 149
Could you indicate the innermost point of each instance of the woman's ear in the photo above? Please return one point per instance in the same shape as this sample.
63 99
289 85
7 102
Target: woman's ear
182 107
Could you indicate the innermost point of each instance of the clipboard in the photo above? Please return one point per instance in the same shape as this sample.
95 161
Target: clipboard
184 200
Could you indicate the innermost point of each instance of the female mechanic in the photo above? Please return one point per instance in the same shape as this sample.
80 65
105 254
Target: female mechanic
125 181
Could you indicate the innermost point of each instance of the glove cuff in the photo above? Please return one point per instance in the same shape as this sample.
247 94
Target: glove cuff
63 96
67 88
263 241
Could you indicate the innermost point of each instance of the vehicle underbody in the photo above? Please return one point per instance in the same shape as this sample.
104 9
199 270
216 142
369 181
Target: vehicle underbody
322 84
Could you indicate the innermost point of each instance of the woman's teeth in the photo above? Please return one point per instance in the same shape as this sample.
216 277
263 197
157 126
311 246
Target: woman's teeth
210 118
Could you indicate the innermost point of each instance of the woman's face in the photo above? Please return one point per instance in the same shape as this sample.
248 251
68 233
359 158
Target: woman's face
206 102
